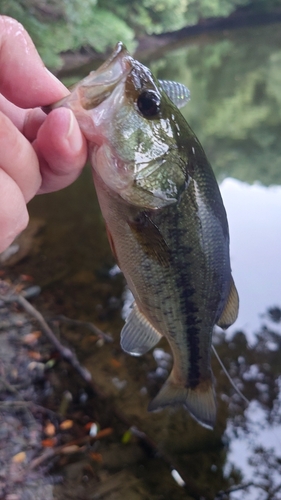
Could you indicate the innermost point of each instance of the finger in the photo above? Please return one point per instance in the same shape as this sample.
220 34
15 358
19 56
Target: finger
20 62
33 120
61 149
13 212
18 159
27 121
16 114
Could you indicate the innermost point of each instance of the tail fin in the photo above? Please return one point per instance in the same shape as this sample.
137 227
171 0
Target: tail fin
200 401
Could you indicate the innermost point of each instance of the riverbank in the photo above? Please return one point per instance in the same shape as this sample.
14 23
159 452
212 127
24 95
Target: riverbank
150 47
64 437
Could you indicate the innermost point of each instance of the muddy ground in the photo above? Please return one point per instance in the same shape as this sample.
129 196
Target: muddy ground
62 437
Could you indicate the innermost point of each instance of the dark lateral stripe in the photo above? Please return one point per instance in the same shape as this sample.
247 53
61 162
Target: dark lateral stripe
193 339
189 310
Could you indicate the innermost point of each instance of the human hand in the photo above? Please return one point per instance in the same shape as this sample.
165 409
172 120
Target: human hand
38 153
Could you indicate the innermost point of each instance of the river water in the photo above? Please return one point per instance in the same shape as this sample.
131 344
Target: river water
235 110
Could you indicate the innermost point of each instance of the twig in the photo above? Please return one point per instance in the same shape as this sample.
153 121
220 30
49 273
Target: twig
86 324
52 452
33 407
65 352
8 386
221 494
194 489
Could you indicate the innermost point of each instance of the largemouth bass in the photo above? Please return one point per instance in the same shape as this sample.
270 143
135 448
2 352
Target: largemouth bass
165 220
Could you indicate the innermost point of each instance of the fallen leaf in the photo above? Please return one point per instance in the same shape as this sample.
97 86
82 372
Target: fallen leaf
19 457
104 433
72 448
97 457
115 363
31 338
66 424
26 277
35 355
127 436
49 442
50 429
88 425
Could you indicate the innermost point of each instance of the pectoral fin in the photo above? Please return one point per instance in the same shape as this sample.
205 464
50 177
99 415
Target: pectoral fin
150 239
138 335
230 311
111 243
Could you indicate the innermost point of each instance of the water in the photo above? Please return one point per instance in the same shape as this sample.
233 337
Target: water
235 110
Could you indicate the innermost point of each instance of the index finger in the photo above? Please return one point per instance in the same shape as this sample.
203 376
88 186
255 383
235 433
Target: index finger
22 66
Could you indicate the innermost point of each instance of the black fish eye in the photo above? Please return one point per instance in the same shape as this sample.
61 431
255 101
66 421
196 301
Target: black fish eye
148 103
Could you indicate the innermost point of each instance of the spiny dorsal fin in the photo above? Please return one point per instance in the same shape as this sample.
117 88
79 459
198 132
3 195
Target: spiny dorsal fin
230 311
138 335
177 92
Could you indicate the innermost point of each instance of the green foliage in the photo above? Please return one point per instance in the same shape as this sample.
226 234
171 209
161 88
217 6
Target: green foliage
56 27
198 9
235 106
150 16
201 9
60 25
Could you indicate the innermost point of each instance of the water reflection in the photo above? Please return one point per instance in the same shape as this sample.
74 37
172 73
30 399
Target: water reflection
251 450
251 348
235 105
255 227
255 434
236 112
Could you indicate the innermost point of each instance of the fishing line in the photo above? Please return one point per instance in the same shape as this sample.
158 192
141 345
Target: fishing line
229 377
237 390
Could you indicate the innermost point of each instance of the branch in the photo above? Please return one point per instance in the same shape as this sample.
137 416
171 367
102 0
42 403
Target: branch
86 324
221 494
71 447
65 352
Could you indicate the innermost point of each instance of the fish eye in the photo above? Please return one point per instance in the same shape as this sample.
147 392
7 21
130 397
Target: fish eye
148 103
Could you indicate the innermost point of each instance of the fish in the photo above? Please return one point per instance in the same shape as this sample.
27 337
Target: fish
165 220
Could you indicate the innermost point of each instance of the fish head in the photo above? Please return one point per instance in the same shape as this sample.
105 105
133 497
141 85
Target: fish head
134 130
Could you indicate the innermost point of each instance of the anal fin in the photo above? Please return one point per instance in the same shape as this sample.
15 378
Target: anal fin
138 335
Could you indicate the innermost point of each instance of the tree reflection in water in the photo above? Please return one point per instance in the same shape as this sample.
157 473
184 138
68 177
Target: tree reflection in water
255 433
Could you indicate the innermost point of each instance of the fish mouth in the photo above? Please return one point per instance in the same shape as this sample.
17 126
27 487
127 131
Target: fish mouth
99 84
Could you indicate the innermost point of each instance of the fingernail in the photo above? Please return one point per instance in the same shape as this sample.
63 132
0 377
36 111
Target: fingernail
51 74
74 135
58 82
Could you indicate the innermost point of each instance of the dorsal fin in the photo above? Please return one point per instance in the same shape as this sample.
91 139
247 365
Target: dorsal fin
177 92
